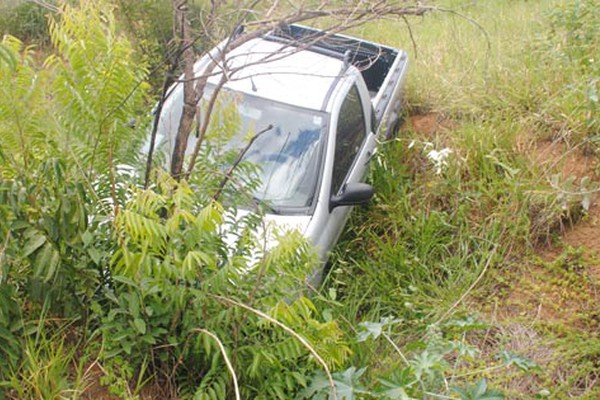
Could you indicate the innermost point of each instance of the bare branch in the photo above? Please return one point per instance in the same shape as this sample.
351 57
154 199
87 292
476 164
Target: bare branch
344 17
46 5
164 94
225 357
289 330
237 161
410 34
189 96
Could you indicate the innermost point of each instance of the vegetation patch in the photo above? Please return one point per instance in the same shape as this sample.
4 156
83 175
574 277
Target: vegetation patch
472 275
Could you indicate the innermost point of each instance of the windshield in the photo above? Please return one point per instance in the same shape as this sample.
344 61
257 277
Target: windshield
285 145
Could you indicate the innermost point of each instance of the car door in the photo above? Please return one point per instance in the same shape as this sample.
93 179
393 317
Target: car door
351 149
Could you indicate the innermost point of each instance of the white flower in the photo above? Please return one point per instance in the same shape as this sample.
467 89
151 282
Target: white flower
438 158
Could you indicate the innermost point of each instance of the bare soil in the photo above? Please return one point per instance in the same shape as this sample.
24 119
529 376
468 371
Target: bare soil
556 292
555 289
543 290
427 125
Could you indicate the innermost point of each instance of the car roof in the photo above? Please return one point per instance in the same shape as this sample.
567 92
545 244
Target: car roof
280 72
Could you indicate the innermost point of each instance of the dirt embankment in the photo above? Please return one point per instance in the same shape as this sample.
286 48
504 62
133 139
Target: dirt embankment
545 306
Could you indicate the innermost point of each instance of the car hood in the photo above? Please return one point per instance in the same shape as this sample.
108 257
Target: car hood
272 224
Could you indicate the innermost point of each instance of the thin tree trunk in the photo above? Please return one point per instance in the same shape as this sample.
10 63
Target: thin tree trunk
189 94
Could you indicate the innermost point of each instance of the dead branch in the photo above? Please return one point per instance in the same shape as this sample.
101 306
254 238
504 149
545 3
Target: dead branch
237 161
344 17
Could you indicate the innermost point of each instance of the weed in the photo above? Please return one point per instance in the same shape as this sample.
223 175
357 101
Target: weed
46 369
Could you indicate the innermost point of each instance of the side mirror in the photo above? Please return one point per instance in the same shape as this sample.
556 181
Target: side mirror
353 194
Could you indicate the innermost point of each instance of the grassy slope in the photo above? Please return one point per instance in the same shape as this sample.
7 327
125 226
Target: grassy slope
519 121
489 226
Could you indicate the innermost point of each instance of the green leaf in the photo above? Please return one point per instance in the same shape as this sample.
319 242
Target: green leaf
369 329
524 364
426 363
332 294
592 93
87 238
467 323
396 393
52 265
7 56
140 325
465 349
347 385
478 392
374 329
94 254
134 305
125 280
33 243
542 394
42 260
397 385
586 202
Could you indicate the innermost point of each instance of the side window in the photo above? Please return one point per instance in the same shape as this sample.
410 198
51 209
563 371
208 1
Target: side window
349 137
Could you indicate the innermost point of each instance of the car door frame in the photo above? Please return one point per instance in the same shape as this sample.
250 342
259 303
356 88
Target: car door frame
327 224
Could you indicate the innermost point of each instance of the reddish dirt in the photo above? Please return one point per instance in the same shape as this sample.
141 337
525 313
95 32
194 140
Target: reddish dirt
543 294
560 290
585 233
545 291
552 155
428 125
94 390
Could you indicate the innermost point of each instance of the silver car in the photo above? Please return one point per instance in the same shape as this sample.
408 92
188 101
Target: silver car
321 109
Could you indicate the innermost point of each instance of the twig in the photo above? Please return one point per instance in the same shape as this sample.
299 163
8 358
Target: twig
166 84
237 161
205 123
189 98
481 371
395 346
488 42
410 34
303 341
46 5
466 293
113 179
441 396
225 358
6 240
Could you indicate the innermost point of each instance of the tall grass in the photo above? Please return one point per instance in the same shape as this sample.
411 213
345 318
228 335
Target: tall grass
471 56
499 76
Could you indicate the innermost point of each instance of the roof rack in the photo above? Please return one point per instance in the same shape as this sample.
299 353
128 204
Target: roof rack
349 50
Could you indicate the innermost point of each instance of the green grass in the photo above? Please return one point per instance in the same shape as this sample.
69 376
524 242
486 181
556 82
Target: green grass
502 78
48 369
26 20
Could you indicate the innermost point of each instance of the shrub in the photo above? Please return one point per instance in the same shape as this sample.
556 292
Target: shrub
25 20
